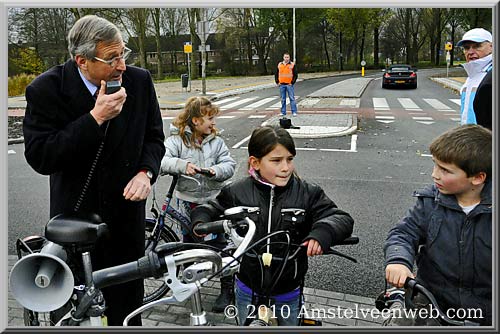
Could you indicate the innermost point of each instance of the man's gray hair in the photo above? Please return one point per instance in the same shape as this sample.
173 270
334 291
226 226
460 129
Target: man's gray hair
87 32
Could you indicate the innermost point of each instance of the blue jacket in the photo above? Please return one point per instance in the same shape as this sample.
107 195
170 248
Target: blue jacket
454 259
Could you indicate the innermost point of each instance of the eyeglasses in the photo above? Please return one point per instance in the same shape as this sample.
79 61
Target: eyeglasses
114 61
475 46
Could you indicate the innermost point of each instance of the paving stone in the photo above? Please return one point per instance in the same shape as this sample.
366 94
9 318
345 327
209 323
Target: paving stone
360 299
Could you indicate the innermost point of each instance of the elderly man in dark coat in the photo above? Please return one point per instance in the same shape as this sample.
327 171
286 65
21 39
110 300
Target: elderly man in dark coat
68 117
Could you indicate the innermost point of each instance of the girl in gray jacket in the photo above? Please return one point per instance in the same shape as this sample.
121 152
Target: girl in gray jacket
194 144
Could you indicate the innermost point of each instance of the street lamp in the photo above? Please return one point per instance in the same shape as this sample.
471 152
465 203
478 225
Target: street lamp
294 54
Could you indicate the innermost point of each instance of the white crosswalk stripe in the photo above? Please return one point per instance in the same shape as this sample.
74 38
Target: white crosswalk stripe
278 104
457 101
408 104
258 103
380 103
221 102
237 103
436 104
257 116
349 102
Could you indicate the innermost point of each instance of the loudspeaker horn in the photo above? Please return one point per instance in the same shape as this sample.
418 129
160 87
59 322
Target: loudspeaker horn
42 282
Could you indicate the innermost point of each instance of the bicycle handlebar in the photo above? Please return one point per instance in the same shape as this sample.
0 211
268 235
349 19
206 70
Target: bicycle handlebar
151 265
412 286
210 227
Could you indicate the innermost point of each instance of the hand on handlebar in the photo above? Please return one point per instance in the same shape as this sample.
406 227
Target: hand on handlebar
191 169
396 274
313 247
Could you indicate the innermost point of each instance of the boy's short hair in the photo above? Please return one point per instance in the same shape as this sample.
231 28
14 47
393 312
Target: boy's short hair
467 146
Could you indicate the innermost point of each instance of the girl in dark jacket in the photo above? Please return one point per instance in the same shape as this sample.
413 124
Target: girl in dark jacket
286 203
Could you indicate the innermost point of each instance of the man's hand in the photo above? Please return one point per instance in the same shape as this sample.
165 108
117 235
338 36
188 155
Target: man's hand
138 188
313 247
108 106
396 274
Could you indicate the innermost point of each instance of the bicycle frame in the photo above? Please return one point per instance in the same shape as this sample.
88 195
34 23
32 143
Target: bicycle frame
196 275
168 212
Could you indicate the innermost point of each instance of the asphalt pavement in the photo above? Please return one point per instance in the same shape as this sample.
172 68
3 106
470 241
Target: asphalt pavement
334 308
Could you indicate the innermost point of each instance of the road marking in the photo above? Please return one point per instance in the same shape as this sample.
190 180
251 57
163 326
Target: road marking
408 103
384 117
425 122
165 118
380 103
278 104
257 116
226 117
436 104
426 155
350 102
11 152
386 122
258 103
455 119
226 100
457 101
241 142
383 112
237 103
306 103
353 149
421 118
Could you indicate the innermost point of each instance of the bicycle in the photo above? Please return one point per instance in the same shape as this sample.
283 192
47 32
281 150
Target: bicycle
166 225
262 311
35 277
405 299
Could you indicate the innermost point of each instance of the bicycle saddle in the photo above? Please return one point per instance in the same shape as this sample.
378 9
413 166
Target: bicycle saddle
78 230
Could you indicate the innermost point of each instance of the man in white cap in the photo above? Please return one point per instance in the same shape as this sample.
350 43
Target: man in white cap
477 46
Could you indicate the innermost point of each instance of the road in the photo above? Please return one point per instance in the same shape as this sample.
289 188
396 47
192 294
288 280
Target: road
374 183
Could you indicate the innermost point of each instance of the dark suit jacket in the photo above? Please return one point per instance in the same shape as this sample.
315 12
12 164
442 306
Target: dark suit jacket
62 139
483 107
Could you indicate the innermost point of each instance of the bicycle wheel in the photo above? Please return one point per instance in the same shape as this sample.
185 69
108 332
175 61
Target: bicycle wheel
156 288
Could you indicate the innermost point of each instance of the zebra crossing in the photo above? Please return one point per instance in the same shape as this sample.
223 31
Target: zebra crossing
387 110
420 111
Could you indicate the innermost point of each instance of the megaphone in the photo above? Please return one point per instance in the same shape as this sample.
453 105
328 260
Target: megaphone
42 282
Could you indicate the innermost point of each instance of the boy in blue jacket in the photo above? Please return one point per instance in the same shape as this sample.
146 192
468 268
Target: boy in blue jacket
448 231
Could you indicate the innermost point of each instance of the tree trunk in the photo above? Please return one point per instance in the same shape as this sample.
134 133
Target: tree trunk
375 46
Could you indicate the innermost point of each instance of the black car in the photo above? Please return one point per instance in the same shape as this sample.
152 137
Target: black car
400 75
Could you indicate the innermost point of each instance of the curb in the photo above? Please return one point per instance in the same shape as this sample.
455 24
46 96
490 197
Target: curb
322 131
19 140
448 83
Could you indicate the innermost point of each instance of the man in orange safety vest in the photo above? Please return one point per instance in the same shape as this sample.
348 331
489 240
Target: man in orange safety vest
285 77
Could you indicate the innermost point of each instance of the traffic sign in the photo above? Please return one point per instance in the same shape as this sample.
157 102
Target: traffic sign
448 46
202 30
188 48
363 63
